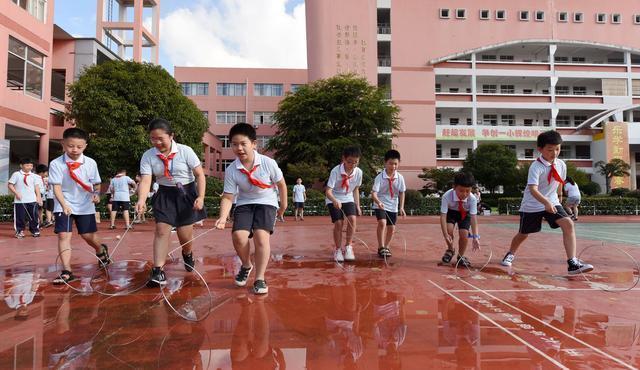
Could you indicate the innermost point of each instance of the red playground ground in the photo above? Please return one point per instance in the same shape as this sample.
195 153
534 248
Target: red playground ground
409 312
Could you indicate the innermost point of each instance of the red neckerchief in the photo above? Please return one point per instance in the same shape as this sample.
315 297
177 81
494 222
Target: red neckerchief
252 179
165 160
553 173
72 167
25 178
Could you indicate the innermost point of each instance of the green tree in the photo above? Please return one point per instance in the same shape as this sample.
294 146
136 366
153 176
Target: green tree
579 176
316 122
615 168
310 173
493 165
114 101
437 179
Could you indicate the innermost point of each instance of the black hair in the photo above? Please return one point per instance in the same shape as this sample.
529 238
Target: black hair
162 124
243 129
550 137
391 154
42 168
570 180
351 151
464 179
75 133
121 170
26 160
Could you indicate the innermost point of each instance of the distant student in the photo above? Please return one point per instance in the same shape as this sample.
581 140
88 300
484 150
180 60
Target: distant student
50 202
254 178
541 201
76 186
299 197
120 188
459 207
343 199
26 197
179 201
43 173
573 197
387 193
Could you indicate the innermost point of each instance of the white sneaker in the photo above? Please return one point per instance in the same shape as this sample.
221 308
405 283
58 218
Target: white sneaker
508 259
337 255
348 253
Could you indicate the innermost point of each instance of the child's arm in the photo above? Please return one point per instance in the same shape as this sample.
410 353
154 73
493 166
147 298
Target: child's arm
401 199
304 193
336 203
57 192
376 200
560 193
38 195
282 191
16 193
133 186
475 244
141 206
201 182
225 207
356 198
548 206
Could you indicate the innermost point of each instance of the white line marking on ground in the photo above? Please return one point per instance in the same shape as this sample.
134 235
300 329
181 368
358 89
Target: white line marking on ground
534 290
605 354
553 361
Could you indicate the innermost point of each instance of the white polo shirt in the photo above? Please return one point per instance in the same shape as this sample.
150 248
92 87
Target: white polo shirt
450 200
381 188
538 175
572 190
50 194
180 167
237 183
27 191
120 188
79 200
335 183
298 193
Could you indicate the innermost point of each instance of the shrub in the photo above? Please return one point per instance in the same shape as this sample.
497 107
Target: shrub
619 192
591 188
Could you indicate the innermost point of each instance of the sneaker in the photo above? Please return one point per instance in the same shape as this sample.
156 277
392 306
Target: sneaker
65 277
112 227
157 278
19 235
576 267
129 227
508 259
348 253
260 287
337 255
243 275
189 263
463 262
47 224
447 256
173 229
36 234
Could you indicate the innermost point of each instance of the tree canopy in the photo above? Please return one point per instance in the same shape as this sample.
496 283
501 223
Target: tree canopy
493 165
114 101
615 168
438 180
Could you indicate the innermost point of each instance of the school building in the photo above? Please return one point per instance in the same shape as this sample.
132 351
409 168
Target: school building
464 73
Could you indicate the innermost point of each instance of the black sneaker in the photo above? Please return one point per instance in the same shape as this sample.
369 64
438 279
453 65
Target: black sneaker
189 263
260 287
243 275
447 256
463 262
103 256
157 278
47 224
576 267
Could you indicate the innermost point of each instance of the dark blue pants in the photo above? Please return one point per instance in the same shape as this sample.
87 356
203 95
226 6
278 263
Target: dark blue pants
26 212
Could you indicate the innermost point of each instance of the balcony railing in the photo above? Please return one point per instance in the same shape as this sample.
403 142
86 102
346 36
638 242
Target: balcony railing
384 61
384 29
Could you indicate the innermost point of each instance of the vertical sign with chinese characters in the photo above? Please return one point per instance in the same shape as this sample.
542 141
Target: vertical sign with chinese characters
351 50
617 140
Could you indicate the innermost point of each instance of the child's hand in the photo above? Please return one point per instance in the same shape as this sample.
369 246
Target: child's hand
403 213
358 211
95 198
220 224
18 196
549 207
198 204
337 204
475 245
39 201
66 210
280 214
141 208
380 205
449 239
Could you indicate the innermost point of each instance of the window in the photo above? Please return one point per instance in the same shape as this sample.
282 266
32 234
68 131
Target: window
444 13
508 120
226 143
231 89
438 150
578 120
454 90
25 69
223 164
230 118
601 18
469 152
489 57
205 114
267 89
559 59
615 60
454 121
528 153
524 15
562 90
565 152
58 83
490 119
527 91
579 90
583 152
615 18
507 89
455 153
469 122
262 141
484 14
194 88
506 58
546 122
511 147
36 8
545 92
636 19
578 17
540 16
563 121
263 118
295 87
56 118
563 17
489 89
578 59
528 122
501 15
438 119
438 88
461 13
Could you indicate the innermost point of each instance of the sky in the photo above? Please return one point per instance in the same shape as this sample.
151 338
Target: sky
213 33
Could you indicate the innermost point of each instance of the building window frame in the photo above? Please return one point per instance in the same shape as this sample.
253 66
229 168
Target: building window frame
485 14
444 13
30 65
461 13
268 89
231 89
636 19
563 17
539 16
230 117
523 15
601 18
501 15
578 17
263 118
616 18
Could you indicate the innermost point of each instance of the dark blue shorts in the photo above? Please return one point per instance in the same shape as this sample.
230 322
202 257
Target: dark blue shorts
120 206
252 217
86 224
348 209
455 217
391 217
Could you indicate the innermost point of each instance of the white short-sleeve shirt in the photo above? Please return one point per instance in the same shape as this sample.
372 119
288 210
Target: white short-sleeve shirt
77 198
50 194
343 194
27 191
381 188
237 183
120 188
572 190
180 167
450 201
298 193
539 175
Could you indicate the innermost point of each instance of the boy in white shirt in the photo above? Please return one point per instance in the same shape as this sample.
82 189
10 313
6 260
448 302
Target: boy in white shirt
343 199
25 187
541 200
120 188
299 197
387 192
